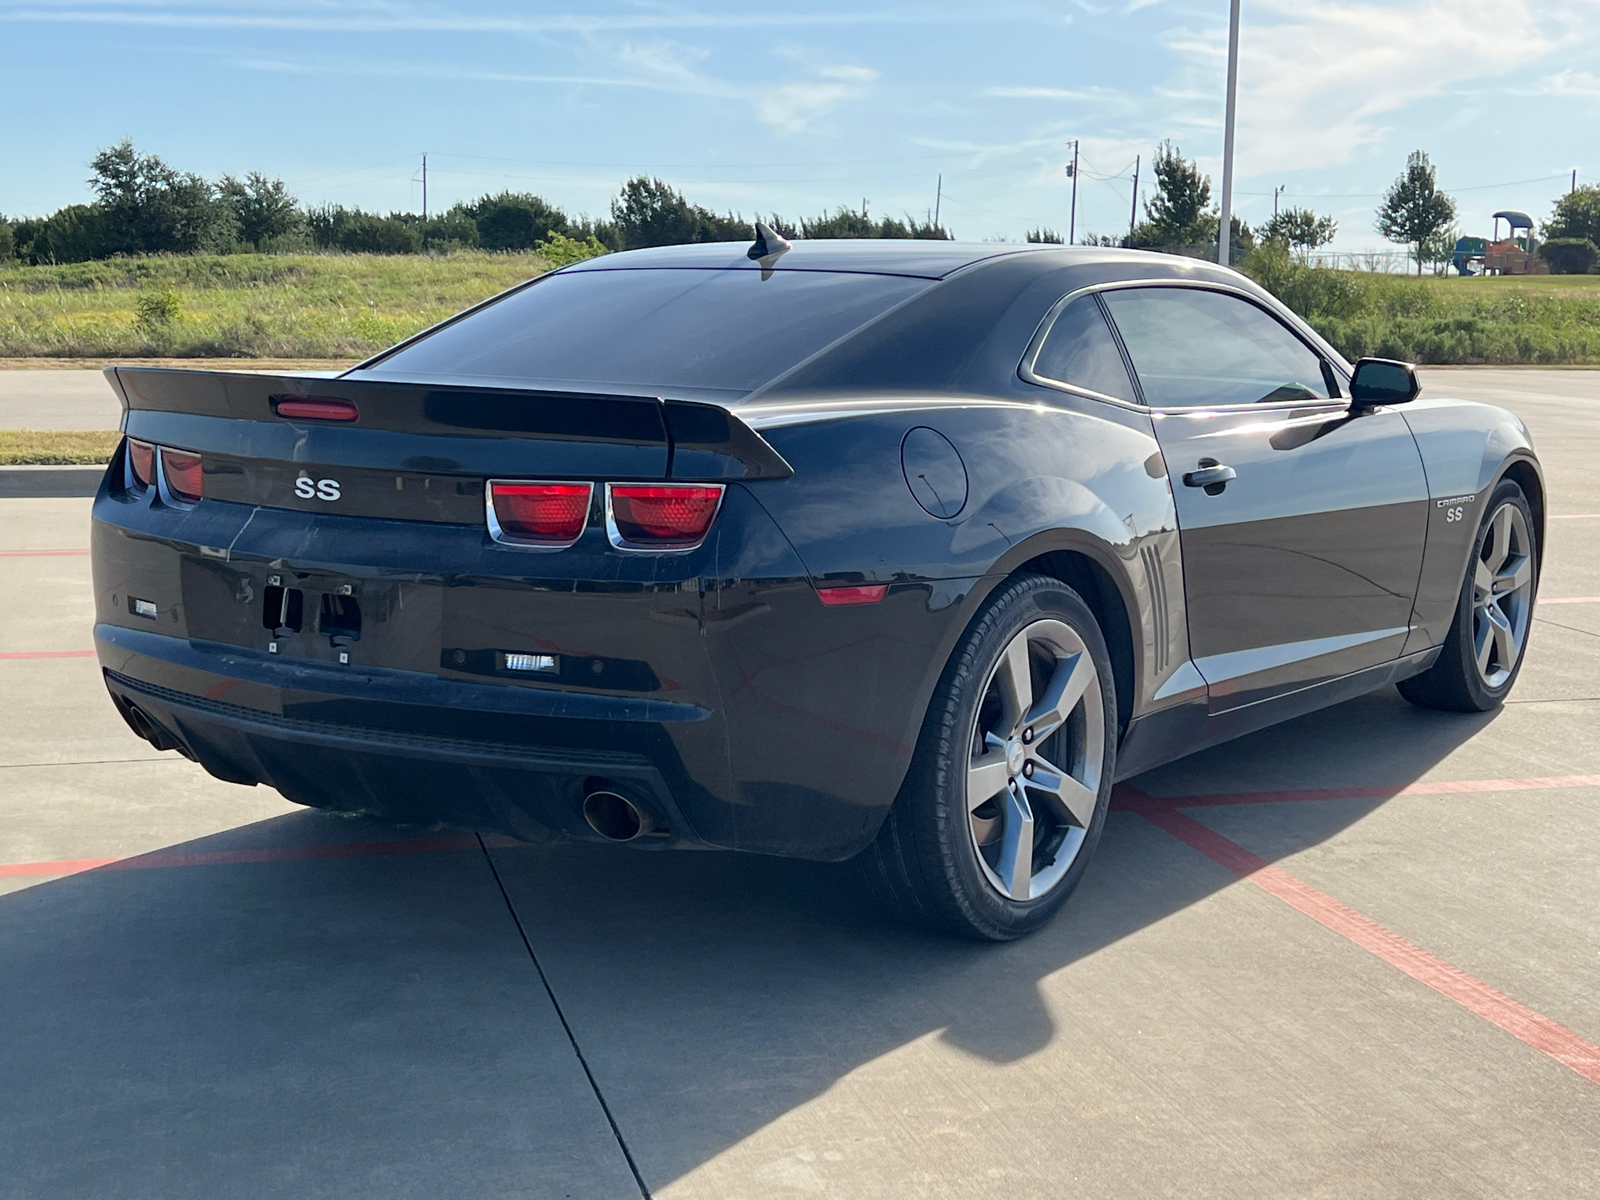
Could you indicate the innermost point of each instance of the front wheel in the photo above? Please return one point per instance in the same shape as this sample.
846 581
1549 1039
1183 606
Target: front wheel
1483 651
1007 793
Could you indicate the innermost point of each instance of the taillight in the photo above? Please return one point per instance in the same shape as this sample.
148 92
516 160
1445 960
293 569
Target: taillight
141 462
549 515
181 471
661 516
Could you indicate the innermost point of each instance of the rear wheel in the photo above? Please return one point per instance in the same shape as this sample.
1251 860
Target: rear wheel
1008 791
1483 651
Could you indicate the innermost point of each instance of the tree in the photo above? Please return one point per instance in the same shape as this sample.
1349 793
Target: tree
1570 256
847 223
1414 211
650 212
1300 229
1577 215
263 210
1046 236
1174 215
150 208
516 220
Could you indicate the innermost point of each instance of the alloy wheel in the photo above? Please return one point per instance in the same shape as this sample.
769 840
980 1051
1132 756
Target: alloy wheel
1037 746
1502 589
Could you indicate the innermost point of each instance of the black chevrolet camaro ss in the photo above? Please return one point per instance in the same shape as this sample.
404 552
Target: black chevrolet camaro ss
900 550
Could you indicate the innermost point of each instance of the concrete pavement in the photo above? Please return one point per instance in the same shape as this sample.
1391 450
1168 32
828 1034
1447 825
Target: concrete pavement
284 1003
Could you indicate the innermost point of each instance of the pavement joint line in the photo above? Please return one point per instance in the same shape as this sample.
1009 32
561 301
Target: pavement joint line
1568 628
39 553
1521 1022
1127 799
1573 517
1568 600
1133 799
96 762
47 654
594 1084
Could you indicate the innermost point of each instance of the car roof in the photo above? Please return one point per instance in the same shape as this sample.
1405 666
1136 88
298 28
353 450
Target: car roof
872 256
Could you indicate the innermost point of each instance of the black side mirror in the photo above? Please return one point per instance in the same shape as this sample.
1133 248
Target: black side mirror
1383 381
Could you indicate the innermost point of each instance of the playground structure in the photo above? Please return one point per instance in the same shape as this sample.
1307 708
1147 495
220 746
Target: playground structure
1512 255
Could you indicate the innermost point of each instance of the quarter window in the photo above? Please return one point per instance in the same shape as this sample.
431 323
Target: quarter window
1192 347
1079 350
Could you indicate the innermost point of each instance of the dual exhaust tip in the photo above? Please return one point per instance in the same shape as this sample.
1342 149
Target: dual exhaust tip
615 817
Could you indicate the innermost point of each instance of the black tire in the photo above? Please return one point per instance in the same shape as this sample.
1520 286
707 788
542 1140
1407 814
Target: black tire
929 860
1456 682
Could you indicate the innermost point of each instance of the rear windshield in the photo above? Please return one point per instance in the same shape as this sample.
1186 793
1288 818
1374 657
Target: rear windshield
725 331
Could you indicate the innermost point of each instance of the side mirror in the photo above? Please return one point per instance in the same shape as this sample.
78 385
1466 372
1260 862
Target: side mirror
1383 381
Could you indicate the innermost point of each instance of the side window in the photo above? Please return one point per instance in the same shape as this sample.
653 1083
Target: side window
1194 347
1080 350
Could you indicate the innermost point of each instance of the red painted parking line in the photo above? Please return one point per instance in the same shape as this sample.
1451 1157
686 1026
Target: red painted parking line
39 553
1517 1019
47 654
162 859
1128 797
1568 600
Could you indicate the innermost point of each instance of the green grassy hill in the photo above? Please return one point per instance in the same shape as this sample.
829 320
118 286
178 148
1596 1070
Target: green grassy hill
313 306
306 306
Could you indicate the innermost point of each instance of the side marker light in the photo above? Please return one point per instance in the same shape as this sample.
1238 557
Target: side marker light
860 593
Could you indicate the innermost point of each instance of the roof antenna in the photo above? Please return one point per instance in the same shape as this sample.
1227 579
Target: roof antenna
769 244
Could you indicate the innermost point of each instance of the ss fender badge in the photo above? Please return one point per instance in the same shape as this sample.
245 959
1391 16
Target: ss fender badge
1455 508
316 489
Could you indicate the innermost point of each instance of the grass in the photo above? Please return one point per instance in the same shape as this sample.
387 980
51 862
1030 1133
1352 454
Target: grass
56 447
300 306
1503 320
324 307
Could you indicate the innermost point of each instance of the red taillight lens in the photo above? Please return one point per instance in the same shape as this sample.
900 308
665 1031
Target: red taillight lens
538 514
663 516
181 470
141 462
314 409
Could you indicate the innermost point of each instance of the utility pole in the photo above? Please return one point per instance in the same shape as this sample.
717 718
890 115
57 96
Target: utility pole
1133 209
1275 193
938 196
1225 229
1574 181
424 186
1072 174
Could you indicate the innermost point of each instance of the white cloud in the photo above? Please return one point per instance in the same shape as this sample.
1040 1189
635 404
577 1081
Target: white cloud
1327 78
792 107
1572 83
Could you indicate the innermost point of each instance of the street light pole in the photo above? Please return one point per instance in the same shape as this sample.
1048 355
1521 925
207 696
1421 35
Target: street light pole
1225 229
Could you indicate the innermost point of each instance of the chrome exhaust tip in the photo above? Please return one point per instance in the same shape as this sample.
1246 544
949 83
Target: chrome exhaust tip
614 817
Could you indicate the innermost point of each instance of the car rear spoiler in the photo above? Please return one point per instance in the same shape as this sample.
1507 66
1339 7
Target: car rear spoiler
680 439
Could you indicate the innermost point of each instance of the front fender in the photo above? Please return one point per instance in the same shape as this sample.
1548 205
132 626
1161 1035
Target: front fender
1467 448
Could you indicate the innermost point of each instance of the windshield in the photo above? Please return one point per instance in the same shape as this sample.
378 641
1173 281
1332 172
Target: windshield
728 331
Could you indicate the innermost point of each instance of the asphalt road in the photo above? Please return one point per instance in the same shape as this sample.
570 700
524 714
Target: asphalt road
1352 956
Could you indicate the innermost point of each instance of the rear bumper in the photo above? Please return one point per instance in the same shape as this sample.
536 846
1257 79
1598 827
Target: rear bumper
528 792
713 688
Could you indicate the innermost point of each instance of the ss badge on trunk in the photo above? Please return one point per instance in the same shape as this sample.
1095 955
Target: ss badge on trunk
316 489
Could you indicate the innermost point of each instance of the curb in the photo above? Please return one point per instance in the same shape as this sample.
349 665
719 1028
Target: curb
50 481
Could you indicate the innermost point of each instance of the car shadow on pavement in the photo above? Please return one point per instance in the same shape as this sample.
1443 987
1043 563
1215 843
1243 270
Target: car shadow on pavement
372 1024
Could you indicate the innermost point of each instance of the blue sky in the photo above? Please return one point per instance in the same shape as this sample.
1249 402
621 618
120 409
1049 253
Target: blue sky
761 108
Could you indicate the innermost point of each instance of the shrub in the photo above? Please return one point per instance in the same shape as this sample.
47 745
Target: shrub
1570 256
559 250
156 310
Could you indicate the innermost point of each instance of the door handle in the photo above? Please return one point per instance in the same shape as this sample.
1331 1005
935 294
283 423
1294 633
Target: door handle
1212 476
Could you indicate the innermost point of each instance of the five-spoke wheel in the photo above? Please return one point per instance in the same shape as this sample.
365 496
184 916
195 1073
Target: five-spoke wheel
1484 648
1008 790
1034 778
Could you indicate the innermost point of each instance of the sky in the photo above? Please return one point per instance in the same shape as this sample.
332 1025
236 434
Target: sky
797 110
